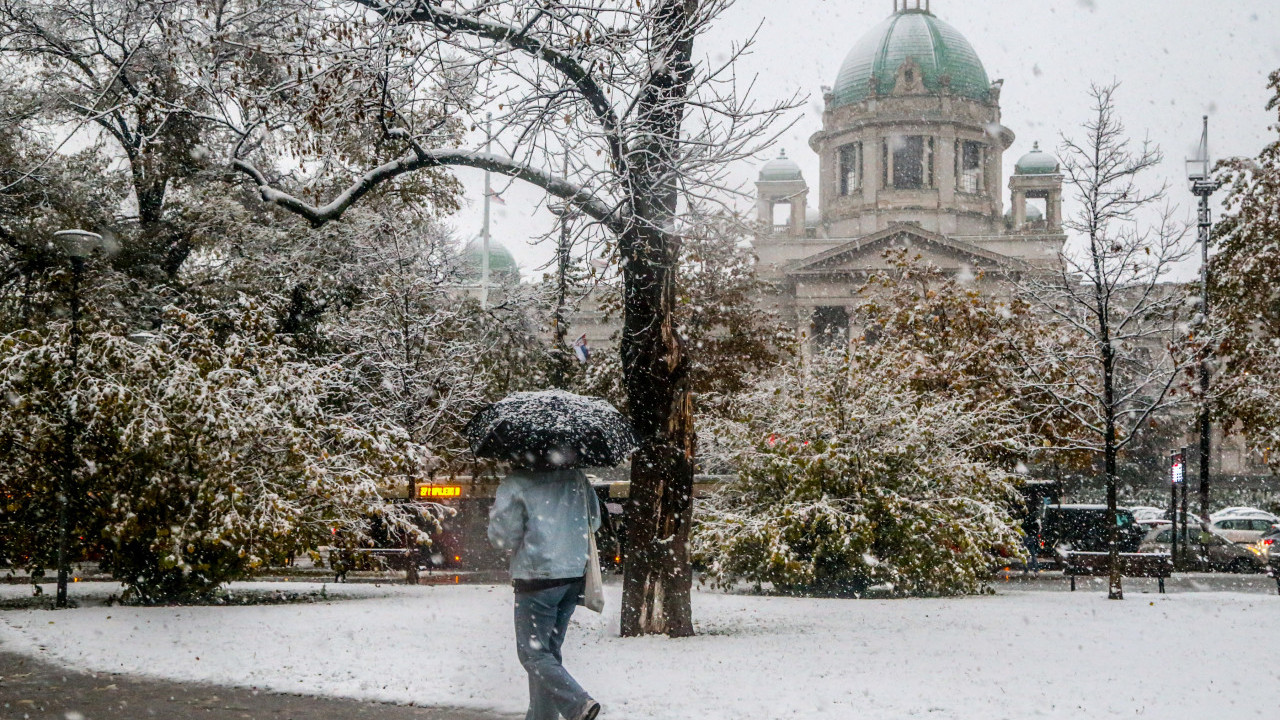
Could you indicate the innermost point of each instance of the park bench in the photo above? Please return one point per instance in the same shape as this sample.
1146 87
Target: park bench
1156 565
399 559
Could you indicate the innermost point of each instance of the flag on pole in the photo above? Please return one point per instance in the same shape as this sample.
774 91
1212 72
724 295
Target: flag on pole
580 349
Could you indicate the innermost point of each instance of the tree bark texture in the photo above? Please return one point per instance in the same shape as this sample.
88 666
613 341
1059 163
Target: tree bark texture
656 578
656 575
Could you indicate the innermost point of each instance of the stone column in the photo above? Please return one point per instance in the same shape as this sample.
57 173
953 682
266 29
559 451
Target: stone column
1053 210
944 168
798 204
1019 210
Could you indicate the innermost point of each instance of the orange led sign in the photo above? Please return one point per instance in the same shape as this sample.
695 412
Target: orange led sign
439 491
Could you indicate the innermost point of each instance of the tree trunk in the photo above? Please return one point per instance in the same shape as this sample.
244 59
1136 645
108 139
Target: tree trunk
657 578
1115 591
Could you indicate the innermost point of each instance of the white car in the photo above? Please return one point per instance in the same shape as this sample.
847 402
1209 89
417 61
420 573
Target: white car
1146 512
1249 512
1245 530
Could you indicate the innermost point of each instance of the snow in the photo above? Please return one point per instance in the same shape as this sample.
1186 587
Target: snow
1018 654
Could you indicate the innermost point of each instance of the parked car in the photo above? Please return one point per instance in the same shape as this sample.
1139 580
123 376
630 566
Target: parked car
1086 528
1208 550
1269 543
1244 530
1146 512
1249 512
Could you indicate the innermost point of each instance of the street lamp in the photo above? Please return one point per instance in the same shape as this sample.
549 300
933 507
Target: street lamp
559 321
78 245
1199 169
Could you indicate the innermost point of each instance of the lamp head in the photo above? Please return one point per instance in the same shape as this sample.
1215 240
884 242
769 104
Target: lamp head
78 244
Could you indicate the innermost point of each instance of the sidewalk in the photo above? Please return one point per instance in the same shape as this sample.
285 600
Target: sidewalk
33 690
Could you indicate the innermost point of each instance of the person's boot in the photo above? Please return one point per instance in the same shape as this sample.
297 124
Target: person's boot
590 709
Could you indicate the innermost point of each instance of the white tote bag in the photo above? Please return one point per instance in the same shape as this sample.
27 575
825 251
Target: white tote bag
593 592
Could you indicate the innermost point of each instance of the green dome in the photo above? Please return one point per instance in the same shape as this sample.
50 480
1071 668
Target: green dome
501 261
1036 162
780 169
939 49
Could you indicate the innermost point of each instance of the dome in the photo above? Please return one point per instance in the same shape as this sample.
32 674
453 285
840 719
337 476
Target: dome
1036 162
812 217
940 51
780 169
1034 214
501 261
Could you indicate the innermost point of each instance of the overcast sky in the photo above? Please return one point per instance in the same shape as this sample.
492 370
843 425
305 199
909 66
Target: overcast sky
1177 60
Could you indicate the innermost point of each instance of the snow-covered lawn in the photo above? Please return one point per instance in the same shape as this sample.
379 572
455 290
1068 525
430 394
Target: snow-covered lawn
1021 654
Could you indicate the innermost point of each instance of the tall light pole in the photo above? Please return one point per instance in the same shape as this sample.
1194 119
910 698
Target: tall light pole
1203 185
78 245
559 324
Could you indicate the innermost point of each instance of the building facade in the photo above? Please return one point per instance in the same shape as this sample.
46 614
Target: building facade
910 154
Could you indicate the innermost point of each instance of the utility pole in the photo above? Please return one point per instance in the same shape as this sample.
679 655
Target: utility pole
1203 186
484 232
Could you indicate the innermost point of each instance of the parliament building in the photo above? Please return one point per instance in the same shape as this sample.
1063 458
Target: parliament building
910 154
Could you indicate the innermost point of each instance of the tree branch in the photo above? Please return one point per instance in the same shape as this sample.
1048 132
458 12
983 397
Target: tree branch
571 193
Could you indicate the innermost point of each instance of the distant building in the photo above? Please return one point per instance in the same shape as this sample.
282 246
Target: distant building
910 154
504 271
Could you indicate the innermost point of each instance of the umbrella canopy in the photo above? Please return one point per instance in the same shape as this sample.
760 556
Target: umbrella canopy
551 429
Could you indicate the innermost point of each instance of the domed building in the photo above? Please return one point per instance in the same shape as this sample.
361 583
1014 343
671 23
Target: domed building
910 152
503 268
504 271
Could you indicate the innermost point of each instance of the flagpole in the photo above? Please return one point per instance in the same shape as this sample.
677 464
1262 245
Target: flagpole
484 233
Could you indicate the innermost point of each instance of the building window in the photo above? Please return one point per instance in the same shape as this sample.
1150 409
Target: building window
908 162
969 161
830 325
849 158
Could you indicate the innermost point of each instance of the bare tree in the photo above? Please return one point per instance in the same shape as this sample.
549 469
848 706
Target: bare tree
165 86
645 126
1114 316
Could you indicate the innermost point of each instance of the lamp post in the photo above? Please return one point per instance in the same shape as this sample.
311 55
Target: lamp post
566 214
559 319
1203 186
78 245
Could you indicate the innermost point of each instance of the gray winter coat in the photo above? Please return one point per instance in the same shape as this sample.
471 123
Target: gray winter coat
544 520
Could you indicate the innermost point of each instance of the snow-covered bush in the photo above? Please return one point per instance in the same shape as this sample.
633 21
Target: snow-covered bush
849 476
204 450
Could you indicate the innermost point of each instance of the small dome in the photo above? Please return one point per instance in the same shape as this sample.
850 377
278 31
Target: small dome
938 49
1036 162
812 218
501 261
1034 214
780 169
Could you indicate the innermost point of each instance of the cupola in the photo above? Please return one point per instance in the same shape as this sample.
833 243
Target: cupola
912 52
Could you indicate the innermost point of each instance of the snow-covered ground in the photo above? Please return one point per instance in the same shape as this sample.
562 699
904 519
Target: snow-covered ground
1020 654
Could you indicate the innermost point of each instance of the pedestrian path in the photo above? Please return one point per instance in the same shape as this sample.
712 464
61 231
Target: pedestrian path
34 690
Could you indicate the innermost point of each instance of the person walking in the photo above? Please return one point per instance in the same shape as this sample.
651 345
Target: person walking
545 518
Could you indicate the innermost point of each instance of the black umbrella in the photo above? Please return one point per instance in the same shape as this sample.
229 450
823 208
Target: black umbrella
551 429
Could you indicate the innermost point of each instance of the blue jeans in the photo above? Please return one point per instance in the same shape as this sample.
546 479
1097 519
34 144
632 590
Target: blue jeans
542 617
